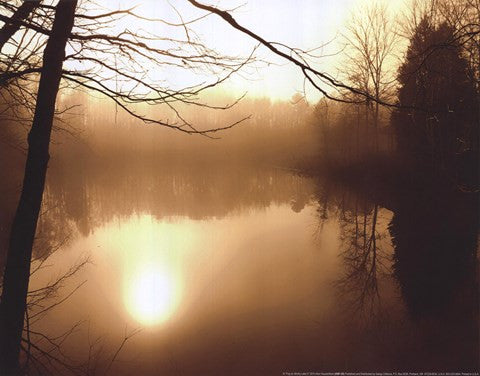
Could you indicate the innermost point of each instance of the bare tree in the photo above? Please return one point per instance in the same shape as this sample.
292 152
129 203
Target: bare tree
17 270
417 10
363 259
95 51
19 14
370 43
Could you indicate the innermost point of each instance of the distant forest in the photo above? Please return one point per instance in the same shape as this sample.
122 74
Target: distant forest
422 107
77 96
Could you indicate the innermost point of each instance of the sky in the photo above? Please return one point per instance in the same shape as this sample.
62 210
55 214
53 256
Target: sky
306 24
297 23
300 23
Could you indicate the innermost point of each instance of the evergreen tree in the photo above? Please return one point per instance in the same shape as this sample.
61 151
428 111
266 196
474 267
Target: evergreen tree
439 118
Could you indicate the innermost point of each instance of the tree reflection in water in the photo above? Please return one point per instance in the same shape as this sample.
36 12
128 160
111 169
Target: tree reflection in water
365 251
433 264
436 266
406 284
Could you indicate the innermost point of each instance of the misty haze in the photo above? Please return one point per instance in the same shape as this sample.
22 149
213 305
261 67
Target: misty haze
228 188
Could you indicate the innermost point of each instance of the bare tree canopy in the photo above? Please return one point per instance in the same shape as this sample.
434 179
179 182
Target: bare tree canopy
404 105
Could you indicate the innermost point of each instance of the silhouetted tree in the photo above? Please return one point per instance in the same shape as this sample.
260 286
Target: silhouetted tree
17 270
440 119
19 14
370 44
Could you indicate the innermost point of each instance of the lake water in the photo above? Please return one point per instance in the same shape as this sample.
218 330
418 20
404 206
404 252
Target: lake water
249 271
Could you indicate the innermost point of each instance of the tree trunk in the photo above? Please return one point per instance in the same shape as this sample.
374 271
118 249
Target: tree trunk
23 11
376 121
358 133
17 270
366 146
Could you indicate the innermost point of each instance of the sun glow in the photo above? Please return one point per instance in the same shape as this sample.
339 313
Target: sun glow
152 296
152 272
317 23
149 256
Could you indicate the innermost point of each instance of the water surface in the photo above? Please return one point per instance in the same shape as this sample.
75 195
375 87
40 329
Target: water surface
255 271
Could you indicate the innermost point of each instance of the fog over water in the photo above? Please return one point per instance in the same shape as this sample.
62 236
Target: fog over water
167 225
234 268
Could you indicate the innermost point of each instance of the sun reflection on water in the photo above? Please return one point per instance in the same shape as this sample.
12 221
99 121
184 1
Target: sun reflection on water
149 255
151 297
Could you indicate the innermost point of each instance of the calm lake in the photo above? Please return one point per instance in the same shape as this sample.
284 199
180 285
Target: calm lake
235 270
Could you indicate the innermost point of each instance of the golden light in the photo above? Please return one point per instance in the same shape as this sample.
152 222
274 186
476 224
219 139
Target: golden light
152 296
148 257
270 18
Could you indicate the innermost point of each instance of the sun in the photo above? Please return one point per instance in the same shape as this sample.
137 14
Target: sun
149 256
151 299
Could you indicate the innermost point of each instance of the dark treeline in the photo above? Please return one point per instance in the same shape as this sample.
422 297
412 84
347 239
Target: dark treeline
414 121
76 202
94 196
433 124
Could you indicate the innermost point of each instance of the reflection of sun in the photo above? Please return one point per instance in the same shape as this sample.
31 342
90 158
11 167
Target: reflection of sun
149 255
151 298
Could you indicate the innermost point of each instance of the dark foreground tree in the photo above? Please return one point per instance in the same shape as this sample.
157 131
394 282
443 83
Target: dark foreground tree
17 270
99 57
19 14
